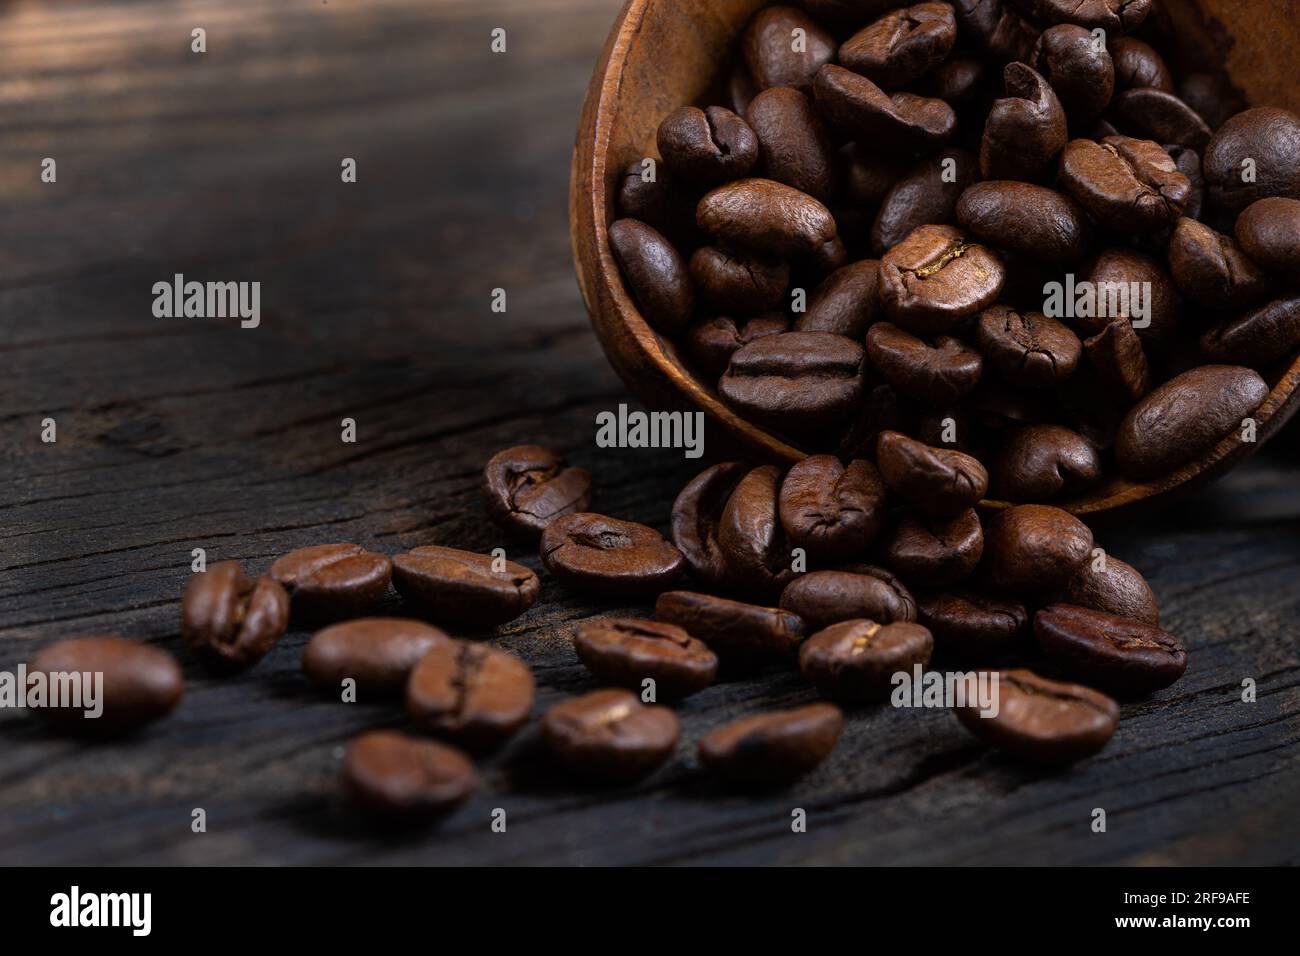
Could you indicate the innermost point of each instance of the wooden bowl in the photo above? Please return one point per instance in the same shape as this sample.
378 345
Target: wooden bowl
662 54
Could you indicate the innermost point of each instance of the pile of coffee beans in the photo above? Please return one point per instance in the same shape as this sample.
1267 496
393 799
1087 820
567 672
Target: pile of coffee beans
861 230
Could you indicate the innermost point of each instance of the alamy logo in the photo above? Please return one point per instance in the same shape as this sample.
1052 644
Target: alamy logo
624 429
209 300
63 690
922 688
1089 300
75 908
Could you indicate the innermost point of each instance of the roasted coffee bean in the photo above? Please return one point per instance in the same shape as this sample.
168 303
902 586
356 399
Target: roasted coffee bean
739 284
609 735
1213 96
750 535
822 598
473 695
1035 549
405 779
464 588
903 122
766 217
1137 65
773 748
902 46
696 515
1259 337
331 581
1116 588
1034 221
846 302
1042 461
1028 349
742 635
655 273
936 277
1129 185
660 202
1118 269
1044 721
793 145
1270 139
230 618
938 481
1185 418
1155 114
1211 269
1113 16
527 487
376 652
997 27
796 382
972 626
609 557
140 683
1269 232
925 194
1077 68
854 662
938 373
626 651
1118 654
1025 131
830 510
713 342
935 552
770 53
1116 354
706 147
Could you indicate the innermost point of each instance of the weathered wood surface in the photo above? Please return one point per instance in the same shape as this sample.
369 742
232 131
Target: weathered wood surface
183 433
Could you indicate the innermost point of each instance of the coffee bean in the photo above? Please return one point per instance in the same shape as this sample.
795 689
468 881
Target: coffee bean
1124 656
1028 349
1211 269
1044 721
744 636
1259 337
232 619
846 302
937 372
935 552
1034 221
1042 461
1137 64
902 46
822 598
331 581
473 695
973 626
750 535
925 194
713 342
610 735
998 28
1270 139
936 277
140 683
1116 354
1269 232
527 487
793 146
696 515
1155 114
854 662
903 122
1112 16
464 588
770 54
1185 418
655 273
1129 185
958 81
738 284
831 511
1116 267
767 218
608 556
662 202
938 481
626 651
773 748
1117 588
1035 549
706 147
375 652
1077 68
1025 131
795 382
405 779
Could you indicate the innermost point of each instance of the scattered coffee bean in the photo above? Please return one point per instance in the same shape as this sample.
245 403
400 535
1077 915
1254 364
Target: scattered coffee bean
1078 69
938 481
1118 654
899 48
1257 338
740 284
830 510
464 588
1211 269
376 652
846 302
140 683
767 218
771 55
822 598
331 581
626 651
1157 115
406 779
900 121
925 194
1121 364
743 636
773 748
527 487
610 735
1034 221
608 556
1129 185
712 343
855 661
1035 549
793 146
473 695
232 619
1137 65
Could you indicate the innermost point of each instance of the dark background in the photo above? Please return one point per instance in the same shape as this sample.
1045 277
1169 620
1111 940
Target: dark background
183 433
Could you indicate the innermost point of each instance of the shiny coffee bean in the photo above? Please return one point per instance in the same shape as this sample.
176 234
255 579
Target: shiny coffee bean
140 683
772 748
655 273
626 651
473 695
527 487
854 662
706 147
767 218
331 581
830 510
937 481
1114 267
936 277
998 28
1116 355
607 556
1034 221
1121 655
1137 65
1112 16
1024 131
795 382
406 779
937 372
1028 349
1269 232
376 652
1157 115
1270 139
972 626
1044 721
846 302
935 552
712 343
1128 185
1077 68
696 516
793 145
464 588
742 635
750 535
823 598
609 735
1211 269
902 46
1040 462
1034 549
770 53
1257 338
925 194
739 284
1117 588
903 122
230 618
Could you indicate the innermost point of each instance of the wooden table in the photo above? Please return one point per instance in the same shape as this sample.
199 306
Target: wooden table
180 433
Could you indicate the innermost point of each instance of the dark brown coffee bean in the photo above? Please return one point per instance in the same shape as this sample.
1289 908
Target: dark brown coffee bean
1129 185
742 635
1078 69
375 652
773 748
750 535
958 81
938 373
972 626
769 51
936 277
1155 114
707 147
331 581
738 284
1025 131
1185 418
1259 337
830 510
1270 139
925 194
660 202
881 411
1210 268
998 28
846 302
1028 349
610 735
1116 588
527 487
854 662
766 217
1042 461
1035 549
655 274
1124 656
796 382
935 552
473 695
405 779
1117 356
902 46
903 122
1212 95
232 619
1269 232
139 684
823 598
938 481
464 588
793 146
712 343
1113 16
1118 268
1034 221
1137 65
626 651
609 557
1044 721
696 516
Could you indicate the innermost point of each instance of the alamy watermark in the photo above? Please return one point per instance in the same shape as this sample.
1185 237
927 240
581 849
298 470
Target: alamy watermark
1088 300
922 688
637 429
75 908
60 690
208 300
